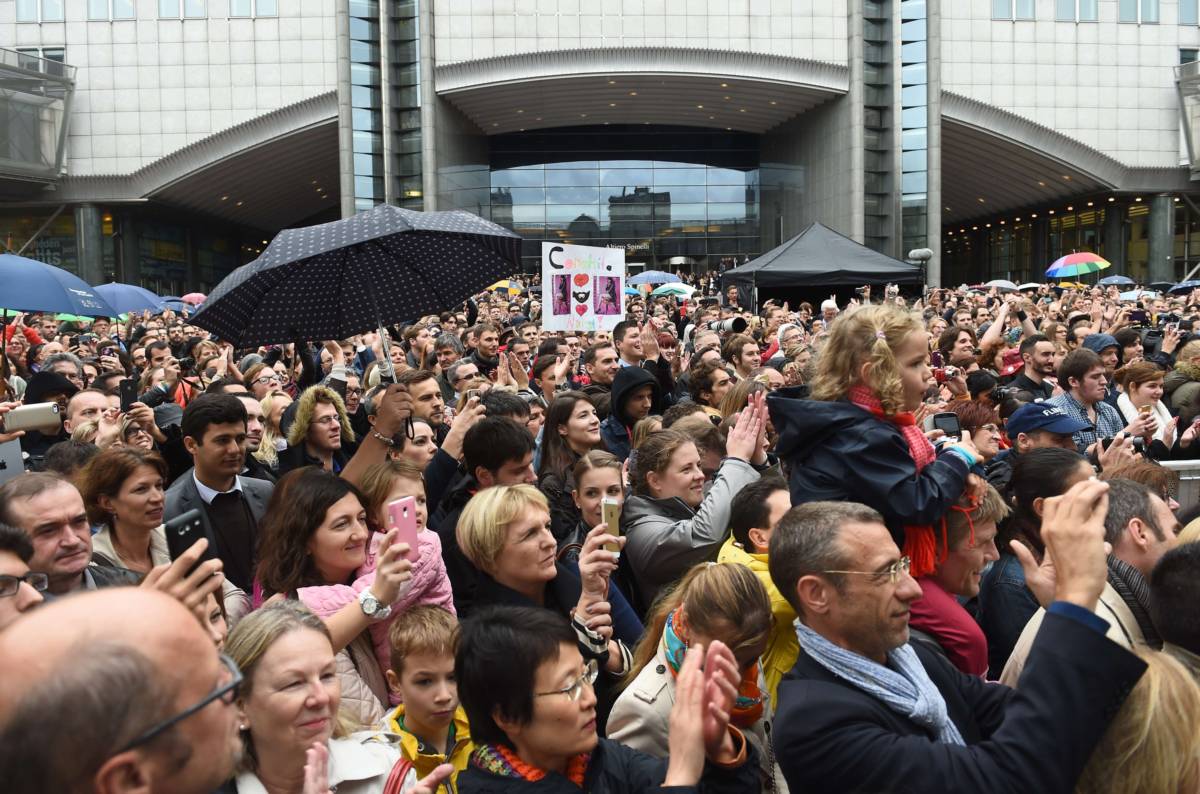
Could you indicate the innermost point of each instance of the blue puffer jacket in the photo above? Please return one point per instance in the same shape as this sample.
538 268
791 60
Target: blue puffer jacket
836 451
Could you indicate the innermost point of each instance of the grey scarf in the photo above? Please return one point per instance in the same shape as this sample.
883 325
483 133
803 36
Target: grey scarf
903 685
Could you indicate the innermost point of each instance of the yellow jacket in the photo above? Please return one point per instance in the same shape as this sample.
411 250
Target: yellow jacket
783 647
424 763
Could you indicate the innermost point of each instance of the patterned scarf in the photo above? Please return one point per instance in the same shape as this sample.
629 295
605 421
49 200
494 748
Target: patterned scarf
748 708
903 685
503 762
1131 586
919 542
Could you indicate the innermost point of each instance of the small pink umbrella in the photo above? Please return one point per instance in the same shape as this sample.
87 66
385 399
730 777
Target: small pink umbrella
194 298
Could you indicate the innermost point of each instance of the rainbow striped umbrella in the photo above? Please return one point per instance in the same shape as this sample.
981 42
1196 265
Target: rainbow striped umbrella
1077 264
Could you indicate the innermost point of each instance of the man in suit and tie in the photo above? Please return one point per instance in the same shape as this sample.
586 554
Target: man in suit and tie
231 505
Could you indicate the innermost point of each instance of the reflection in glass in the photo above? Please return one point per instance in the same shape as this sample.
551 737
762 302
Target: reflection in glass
570 178
626 177
579 194
617 190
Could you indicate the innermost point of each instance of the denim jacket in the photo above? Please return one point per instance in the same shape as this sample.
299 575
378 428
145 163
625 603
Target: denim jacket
1005 606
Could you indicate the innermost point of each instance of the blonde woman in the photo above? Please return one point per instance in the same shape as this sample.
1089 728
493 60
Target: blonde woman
857 439
712 602
288 710
273 442
1153 745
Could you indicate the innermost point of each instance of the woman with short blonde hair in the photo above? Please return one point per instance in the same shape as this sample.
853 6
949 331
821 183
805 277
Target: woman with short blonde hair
504 531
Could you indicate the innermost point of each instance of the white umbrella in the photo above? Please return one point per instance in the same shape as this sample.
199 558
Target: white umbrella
1003 284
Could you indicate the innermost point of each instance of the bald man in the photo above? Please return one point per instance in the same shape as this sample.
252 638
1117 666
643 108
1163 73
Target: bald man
107 667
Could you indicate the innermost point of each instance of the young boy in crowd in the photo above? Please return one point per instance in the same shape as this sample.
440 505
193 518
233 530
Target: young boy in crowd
432 726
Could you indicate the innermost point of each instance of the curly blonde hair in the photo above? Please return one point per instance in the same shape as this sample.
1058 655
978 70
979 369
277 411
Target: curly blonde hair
309 399
869 335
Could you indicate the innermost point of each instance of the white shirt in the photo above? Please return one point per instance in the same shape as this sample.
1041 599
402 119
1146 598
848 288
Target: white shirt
208 494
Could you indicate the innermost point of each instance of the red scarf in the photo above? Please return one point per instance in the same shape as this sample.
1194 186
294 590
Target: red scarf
920 545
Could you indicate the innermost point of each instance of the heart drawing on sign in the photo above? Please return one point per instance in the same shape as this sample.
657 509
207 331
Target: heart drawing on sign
581 309
581 279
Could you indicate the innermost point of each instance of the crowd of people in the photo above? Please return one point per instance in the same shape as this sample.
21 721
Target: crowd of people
896 543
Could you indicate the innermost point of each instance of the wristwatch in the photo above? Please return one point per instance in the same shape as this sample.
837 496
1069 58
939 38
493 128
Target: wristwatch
371 606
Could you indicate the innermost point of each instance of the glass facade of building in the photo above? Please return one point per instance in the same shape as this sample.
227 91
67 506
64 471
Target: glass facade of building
1021 246
660 193
365 99
167 252
914 125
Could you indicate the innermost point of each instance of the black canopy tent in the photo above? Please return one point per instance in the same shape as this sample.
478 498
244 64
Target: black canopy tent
819 257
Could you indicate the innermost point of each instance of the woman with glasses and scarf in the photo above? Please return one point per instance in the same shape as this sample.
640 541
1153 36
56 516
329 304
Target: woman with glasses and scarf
529 695
712 602
288 713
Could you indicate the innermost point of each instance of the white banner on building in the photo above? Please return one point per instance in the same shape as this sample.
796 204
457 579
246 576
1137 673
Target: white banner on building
583 287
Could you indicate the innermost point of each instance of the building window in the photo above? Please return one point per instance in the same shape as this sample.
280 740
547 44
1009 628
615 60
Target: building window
1188 12
103 10
253 8
1138 11
1076 11
48 60
1013 9
175 9
1188 56
39 10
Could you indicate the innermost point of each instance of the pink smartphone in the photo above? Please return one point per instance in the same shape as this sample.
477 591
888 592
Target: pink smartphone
402 515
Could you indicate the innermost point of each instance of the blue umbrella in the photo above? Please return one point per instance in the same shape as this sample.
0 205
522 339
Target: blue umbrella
1116 281
631 291
175 304
1184 287
32 286
652 277
1138 294
129 297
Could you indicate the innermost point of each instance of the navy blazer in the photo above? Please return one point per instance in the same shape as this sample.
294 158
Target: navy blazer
833 737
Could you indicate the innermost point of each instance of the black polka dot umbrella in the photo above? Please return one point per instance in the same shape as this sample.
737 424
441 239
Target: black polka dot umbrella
380 267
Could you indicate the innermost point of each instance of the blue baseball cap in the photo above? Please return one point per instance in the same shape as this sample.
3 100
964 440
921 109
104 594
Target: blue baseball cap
1032 417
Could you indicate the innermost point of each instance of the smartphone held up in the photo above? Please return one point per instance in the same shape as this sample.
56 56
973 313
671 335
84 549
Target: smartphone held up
402 516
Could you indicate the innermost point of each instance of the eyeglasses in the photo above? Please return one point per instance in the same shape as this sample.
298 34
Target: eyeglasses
893 572
468 376
225 693
575 689
9 585
332 419
352 392
265 379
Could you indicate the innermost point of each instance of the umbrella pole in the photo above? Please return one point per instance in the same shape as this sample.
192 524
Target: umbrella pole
4 371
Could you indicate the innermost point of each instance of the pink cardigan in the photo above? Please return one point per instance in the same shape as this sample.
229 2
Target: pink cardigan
429 585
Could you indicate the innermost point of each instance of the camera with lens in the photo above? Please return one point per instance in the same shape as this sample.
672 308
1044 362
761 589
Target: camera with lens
187 365
733 325
1001 393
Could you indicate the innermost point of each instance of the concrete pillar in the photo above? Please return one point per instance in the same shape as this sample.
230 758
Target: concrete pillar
88 245
855 96
1162 238
429 108
933 155
345 110
1114 236
129 259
